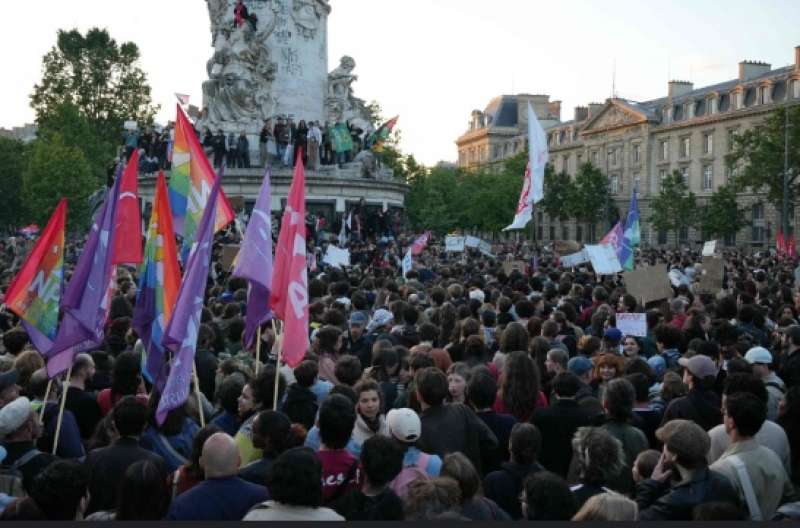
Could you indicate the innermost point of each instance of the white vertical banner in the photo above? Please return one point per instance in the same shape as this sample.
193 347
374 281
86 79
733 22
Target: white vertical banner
408 262
537 155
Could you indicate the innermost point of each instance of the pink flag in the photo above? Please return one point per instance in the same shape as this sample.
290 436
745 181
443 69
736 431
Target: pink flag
128 223
289 298
420 243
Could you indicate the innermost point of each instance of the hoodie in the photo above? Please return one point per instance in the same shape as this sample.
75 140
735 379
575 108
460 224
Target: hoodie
505 485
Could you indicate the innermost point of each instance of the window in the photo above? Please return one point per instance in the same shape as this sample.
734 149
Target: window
708 143
662 237
594 158
796 88
686 144
683 235
731 138
612 157
637 153
662 175
496 151
564 232
758 233
637 181
663 150
552 232
614 184
564 163
708 177
579 233
685 174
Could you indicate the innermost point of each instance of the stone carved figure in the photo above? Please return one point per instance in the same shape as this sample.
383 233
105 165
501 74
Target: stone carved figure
307 16
217 11
341 103
237 94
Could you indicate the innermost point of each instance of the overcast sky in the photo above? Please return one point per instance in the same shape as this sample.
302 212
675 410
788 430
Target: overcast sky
434 61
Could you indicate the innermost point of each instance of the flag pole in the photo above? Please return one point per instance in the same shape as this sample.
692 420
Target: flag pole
279 344
44 403
197 394
60 409
258 349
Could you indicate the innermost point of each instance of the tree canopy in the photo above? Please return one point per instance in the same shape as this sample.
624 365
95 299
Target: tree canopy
675 207
13 157
722 217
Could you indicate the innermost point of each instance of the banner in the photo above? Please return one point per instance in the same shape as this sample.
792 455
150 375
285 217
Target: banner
709 248
454 244
486 248
575 259
632 324
472 242
604 259
408 262
648 284
336 257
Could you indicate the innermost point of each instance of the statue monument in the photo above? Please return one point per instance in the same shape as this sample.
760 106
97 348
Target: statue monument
274 63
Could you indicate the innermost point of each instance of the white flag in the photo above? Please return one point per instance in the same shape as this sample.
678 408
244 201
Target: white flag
524 206
408 262
537 155
182 99
343 232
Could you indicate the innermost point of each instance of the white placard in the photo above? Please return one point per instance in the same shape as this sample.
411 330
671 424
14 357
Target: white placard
632 324
337 257
455 244
408 262
486 248
472 242
575 259
130 125
604 259
709 248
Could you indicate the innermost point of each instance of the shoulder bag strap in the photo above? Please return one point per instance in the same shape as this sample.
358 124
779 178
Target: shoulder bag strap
747 488
24 459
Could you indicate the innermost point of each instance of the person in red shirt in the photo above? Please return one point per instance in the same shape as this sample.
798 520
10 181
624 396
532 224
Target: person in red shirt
340 470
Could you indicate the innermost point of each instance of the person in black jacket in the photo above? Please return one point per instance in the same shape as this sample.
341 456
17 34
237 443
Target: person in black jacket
107 464
273 434
559 422
702 405
789 370
301 404
681 480
504 486
451 427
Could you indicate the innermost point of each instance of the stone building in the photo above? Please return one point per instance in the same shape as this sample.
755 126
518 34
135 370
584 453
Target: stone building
640 143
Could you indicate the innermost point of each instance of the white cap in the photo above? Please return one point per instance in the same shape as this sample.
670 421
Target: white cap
404 424
14 415
477 294
758 355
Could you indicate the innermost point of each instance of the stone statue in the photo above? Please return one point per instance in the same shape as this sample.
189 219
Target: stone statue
217 12
341 103
306 15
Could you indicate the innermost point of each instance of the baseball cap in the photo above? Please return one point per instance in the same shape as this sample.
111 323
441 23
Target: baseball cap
477 294
758 355
700 366
14 415
358 318
613 334
580 365
381 318
8 379
404 424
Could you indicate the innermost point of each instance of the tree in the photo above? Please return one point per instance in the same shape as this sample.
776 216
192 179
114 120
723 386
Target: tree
13 156
100 77
55 170
589 197
757 156
674 208
558 191
722 217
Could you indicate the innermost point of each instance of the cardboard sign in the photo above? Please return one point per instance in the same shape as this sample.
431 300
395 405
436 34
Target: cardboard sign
514 265
485 248
336 257
574 260
712 274
710 248
566 246
229 254
237 203
632 324
648 284
455 244
604 259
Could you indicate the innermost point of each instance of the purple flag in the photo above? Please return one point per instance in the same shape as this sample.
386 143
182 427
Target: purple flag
255 262
180 336
87 298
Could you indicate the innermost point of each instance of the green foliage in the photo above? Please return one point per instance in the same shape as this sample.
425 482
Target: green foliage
98 76
13 155
54 170
559 191
722 216
675 207
590 197
757 155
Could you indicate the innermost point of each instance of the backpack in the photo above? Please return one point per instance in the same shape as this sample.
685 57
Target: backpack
409 474
11 476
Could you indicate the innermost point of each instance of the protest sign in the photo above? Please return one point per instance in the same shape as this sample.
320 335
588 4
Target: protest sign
455 244
514 265
486 248
472 242
648 284
566 246
604 259
710 248
130 125
575 259
632 324
712 273
229 253
336 257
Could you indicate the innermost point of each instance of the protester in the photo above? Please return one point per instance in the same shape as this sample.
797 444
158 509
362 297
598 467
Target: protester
598 460
608 507
257 395
547 497
504 486
143 495
273 434
406 428
58 493
19 430
474 505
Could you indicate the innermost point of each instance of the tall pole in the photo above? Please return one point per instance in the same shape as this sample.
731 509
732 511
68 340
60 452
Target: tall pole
785 212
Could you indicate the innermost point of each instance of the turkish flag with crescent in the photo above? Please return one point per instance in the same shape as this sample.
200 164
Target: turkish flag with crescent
128 223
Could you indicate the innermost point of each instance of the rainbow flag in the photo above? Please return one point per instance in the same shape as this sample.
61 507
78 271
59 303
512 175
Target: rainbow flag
35 293
377 138
190 185
159 282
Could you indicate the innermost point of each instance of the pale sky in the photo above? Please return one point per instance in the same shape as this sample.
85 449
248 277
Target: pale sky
434 61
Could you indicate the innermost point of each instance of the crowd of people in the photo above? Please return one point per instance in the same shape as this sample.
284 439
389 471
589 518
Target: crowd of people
457 391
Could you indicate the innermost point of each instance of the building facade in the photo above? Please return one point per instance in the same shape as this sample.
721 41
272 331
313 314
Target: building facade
690 130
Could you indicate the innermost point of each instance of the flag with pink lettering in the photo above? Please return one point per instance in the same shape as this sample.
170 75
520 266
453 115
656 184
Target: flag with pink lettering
289 297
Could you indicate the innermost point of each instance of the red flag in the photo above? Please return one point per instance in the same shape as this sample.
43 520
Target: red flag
289 299
780 243
128 223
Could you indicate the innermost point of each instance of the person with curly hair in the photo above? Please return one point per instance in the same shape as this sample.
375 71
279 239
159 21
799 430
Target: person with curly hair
520 388
598 459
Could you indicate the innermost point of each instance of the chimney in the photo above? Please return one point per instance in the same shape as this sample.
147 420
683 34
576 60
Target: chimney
581 113
679 88
797 58
554 109
752 69
594 109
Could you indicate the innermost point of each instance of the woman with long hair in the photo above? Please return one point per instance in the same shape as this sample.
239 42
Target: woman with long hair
515 337
520 388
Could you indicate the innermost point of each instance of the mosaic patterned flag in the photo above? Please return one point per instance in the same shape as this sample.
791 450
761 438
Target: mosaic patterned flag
159 281
190 185
35 293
